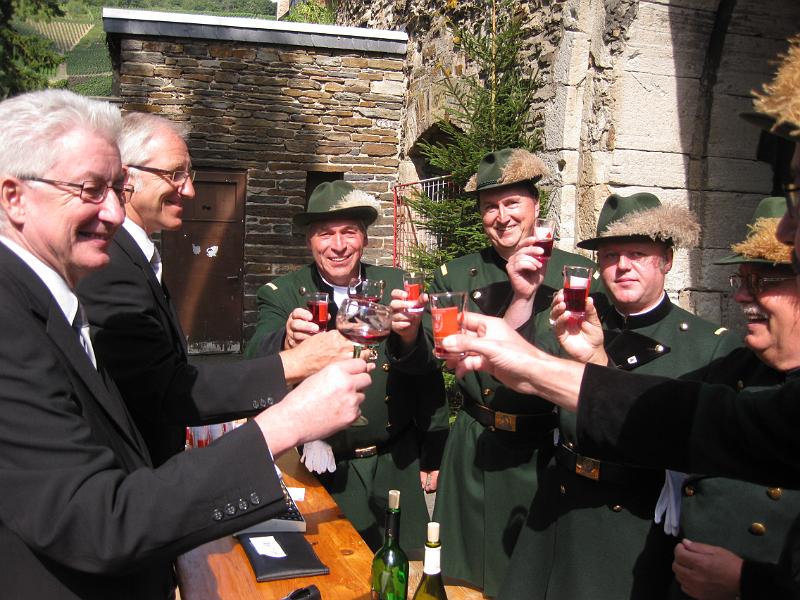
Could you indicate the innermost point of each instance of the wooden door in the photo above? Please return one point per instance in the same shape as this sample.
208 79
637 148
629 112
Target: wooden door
204 261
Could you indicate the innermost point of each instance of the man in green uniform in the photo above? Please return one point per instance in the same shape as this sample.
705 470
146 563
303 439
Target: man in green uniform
590 533
401 443
737 529
488 475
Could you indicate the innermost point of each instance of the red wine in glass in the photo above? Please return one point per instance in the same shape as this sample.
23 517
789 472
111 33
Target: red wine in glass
446 321
575 299
319 313
364 336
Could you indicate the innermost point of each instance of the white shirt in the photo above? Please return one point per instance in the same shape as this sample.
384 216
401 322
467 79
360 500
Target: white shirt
146 245
65 298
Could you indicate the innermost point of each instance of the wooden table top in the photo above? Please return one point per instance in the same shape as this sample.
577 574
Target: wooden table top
220 570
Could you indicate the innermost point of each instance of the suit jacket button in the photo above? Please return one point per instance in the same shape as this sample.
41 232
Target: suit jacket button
688 490
255 403
255 499
217 515
270 400
758 529
616 508
243 504
775 493
230 509
262 403
385 367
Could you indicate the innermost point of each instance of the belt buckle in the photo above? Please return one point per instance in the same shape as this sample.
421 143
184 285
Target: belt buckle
505 421
587 467
365 452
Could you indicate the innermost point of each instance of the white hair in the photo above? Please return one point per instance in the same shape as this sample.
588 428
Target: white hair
32 125
139 129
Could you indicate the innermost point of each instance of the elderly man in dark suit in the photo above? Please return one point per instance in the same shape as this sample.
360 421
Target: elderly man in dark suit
83 514
135 329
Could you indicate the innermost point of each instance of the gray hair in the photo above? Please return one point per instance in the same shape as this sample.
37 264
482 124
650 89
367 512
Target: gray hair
33 123
139 129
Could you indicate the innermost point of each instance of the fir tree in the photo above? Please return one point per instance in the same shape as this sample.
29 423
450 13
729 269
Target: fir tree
485 112
25 59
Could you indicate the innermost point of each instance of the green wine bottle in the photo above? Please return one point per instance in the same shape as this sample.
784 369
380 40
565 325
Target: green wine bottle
431 586
390 565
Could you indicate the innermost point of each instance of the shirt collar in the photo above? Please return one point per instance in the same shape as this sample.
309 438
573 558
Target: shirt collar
643 319
65 298
141 238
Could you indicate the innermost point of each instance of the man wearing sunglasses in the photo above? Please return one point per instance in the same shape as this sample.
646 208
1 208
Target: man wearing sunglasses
135 329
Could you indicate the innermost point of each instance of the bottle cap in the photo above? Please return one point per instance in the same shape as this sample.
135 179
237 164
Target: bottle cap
433 532
394 499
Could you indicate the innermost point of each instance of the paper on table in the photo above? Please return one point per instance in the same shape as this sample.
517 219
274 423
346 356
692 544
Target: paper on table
298 494
267 546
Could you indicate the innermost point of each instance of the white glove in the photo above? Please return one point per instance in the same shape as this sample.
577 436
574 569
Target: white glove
668 507
318 457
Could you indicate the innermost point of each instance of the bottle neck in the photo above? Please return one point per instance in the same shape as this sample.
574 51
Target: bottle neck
432 564
392 526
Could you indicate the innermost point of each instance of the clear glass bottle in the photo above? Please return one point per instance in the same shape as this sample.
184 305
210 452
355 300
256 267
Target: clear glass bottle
431 586
390 565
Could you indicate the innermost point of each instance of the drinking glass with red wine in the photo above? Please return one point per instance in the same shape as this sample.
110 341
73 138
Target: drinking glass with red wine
366 289
317 305
366 324
414 287
447 314
577 281
544 235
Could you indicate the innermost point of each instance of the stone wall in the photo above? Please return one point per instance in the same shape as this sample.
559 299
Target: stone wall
640 95
276 112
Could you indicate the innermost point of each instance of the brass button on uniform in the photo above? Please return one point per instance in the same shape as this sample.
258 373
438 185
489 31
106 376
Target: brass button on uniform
386 398
385 367
740 385
684 326
562 488
302 290
473 271
757 529
487 392
688 490
570 445
616 508
659 348
775 493
476 294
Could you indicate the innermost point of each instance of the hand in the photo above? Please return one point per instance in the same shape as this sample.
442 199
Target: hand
707 572
492 346
299 327
317 408
404 323
316 352
583 338
525 269
429 480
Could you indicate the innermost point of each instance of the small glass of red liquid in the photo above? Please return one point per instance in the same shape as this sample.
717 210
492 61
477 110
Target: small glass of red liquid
577 281
366 289
317 305
447 314
414 286
544 234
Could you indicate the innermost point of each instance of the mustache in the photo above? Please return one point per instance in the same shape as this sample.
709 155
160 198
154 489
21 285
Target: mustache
753 311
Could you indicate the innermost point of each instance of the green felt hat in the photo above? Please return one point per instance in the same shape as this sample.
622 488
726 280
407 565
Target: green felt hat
761 245
642 216
338 200
506 167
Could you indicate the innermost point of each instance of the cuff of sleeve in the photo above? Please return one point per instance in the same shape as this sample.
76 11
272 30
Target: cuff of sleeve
431 455
416 360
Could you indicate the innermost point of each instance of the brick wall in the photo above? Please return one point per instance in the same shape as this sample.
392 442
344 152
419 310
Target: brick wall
276 112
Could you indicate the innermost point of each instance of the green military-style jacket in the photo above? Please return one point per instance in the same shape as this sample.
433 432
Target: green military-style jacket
748 519
590 534
407 418
488 477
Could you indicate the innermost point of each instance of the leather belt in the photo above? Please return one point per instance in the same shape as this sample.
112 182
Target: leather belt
497 420
597 470
364 452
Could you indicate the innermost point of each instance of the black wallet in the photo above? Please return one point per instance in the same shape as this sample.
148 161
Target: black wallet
284 556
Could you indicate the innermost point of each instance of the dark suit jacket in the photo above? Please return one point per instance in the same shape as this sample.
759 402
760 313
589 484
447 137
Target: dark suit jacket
138 338
82 513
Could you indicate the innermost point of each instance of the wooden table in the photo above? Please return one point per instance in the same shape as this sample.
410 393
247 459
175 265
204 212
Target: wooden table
220 570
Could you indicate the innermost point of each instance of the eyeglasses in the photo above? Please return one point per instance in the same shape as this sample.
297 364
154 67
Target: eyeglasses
92 191
176 177
792 193
756 284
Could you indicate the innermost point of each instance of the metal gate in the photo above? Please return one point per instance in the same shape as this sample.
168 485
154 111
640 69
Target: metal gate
409 227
